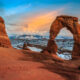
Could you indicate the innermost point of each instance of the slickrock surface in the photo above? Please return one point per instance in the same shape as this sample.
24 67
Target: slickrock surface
28 65
15 65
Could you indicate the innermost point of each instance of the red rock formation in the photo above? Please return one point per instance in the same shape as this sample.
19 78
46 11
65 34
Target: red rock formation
71 23
4 40
25 47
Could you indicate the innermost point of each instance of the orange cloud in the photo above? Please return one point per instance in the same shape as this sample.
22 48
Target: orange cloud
41 23
36 24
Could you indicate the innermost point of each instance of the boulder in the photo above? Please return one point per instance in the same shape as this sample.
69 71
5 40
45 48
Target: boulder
25 47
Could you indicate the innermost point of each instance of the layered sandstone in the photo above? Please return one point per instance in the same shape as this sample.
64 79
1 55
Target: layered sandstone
4 40
71 23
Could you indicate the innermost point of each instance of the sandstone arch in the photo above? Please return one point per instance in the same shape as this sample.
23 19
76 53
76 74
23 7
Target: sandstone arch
71 23
4 40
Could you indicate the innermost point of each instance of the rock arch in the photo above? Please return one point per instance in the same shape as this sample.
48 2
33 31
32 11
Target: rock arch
71 23
4 40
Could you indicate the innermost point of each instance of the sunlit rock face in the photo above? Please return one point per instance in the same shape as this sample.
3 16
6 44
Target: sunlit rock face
71 23
4 40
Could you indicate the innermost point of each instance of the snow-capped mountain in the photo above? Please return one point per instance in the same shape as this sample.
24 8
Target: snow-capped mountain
29 37
64 37
24 36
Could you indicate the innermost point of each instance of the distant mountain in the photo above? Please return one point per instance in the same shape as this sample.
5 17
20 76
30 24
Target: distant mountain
25 36
29 37
12 37
64 37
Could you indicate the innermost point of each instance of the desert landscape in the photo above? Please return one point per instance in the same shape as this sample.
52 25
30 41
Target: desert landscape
22 63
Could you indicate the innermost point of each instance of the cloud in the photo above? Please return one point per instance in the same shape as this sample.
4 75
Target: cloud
40 24
36 24
65 32
17 10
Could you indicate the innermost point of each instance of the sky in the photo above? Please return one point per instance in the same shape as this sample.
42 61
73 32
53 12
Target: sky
35 16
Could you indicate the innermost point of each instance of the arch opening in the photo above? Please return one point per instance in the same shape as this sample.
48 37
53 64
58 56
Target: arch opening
65 43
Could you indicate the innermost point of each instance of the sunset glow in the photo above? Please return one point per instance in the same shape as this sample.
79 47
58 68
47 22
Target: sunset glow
35 17
40 23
